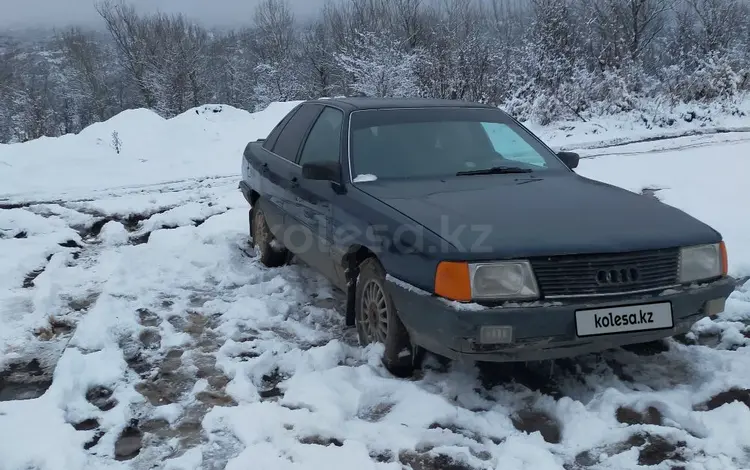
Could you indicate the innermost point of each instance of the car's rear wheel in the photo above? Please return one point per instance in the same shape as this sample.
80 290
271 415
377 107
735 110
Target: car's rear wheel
377 321
270 251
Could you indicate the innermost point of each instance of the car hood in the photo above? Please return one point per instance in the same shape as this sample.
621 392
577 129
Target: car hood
505 216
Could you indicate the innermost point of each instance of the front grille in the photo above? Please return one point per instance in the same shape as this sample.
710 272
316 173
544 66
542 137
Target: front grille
606 274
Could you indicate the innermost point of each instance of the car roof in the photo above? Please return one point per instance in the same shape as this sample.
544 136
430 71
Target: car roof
357 103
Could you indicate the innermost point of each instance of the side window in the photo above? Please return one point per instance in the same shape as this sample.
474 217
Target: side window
290 139
324 142
274 134
512 146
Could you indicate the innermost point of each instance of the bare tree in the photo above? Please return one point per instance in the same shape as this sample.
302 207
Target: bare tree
88 74
278 52
713 25
130 39
274 30
622 30
230 69
165 55
509 19
317 48
8 83
177 68
411 20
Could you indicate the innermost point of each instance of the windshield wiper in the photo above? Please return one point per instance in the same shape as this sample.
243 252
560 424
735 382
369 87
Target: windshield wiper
495 170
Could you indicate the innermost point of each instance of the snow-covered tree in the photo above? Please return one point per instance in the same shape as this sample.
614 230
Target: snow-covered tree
539 59
276 82
277 51
379 66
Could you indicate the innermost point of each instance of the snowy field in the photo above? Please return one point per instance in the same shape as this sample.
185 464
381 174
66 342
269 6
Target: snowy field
138 330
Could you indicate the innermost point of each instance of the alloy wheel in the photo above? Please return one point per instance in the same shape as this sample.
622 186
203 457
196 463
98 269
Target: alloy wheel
374 312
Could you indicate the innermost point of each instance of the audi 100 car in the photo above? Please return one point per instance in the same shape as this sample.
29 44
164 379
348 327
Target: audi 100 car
451 228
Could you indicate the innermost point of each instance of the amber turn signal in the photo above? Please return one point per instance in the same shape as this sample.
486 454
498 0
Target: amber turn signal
724 259
452 281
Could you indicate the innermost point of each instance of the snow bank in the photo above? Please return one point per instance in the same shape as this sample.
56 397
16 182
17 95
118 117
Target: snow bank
661 121
204 141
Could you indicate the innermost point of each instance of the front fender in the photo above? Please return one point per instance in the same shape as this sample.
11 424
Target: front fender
406 249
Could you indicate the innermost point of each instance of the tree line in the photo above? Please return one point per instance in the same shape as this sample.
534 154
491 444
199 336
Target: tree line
539 59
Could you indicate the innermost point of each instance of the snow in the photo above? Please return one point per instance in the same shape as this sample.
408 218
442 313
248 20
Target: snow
405 285
204 141
144 286
114 233
689 180
708 121
364 178
463 306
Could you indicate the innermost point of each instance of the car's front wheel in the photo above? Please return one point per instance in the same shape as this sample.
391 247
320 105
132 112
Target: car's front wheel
269 250
377 321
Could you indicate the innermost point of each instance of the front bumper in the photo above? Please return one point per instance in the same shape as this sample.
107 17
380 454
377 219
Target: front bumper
542 330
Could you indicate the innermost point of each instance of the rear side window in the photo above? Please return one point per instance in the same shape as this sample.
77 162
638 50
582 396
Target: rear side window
324 142
274 135
290 138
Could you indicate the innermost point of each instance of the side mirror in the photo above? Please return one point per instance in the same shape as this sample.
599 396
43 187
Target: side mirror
322 171
569 158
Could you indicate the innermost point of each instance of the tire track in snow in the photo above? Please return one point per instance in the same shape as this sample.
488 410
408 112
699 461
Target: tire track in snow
690 141
614 143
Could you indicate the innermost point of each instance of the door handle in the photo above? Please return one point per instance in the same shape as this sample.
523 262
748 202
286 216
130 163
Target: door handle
264 168
294 183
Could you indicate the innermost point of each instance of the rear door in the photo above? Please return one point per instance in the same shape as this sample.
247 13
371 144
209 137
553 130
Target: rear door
313 215
280 170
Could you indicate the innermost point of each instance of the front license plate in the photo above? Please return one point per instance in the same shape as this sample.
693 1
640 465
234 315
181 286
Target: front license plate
604 321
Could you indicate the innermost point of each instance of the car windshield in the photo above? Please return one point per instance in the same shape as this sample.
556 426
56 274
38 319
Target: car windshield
441 142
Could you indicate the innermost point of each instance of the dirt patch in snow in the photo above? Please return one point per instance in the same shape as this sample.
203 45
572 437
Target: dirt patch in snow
129 444
101 397
24 381
55 328
531 421
170 377
28 280
431 461
627 415
652 450
732 395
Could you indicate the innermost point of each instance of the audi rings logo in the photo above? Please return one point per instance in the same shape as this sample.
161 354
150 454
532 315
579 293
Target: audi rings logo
617 276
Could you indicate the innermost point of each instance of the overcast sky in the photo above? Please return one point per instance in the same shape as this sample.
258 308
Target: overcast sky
15 13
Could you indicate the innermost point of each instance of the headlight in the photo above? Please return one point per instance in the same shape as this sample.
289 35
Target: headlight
701 262
506 280
502 280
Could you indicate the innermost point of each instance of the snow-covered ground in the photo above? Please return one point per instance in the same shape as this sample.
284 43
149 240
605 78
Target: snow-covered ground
138 330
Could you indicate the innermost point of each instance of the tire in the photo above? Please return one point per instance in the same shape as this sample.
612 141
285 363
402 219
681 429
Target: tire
270 251
400 357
